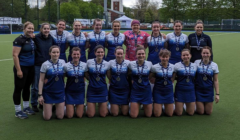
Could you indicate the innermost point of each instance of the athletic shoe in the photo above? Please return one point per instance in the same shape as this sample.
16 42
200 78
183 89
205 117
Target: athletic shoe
21 115
28 111
35 109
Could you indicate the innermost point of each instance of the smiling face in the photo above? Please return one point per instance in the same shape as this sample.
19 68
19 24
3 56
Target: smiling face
76 56
135 28
199 28
28 31
177 27
97 26
99 53
206 54
155 28
119 54
186 56
55 52
116 27
45 30
77 26
140 55
61 26
164 58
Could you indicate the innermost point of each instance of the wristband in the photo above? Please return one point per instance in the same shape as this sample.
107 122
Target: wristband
39 95
217 94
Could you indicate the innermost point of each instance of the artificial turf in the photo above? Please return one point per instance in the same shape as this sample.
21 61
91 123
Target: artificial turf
223 124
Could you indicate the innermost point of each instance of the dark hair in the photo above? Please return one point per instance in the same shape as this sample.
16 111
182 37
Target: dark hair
98 47
26 24
164 52
42 26
116 21
73 31
139 45
96 20
177 21
61 20
139 48
207 48
155 22
52 47
75 49
184 50
198 22
118 48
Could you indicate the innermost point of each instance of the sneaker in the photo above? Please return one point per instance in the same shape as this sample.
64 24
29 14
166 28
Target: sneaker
21 115
35 109
28 111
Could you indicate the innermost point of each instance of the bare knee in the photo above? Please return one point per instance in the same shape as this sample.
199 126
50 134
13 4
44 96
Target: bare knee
178 113
60 117
208 112
90 115
157 114
103 114
115 114
133 115
169 114
148 115
46 118
190 113
200 112
69 116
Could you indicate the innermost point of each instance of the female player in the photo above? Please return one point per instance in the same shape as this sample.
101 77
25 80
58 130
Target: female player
185 90
97 89
23 58
198 40
43 42
119 88
133 38
77 39
51 85
163 89
141 89
60 38
95 38
177 41
75 87
206 81
113 40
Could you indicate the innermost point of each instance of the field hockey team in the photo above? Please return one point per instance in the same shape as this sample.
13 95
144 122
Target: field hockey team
175 61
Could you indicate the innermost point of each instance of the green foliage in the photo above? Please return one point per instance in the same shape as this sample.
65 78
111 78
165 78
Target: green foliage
69 11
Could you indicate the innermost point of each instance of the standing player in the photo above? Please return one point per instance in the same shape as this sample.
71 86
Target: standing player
133 38
163 89
198 40
23 58
113 40
185 89
43 42
77 39
95 38
141 89
119 88
51 85
177 41
206 81
97 89
60 38
75 87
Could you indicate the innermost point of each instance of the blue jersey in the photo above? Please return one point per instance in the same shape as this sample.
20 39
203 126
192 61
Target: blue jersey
60 40
113 42
77 41
94 40
27 54
155 44
122 85
53 89
75 72
185 89
175 45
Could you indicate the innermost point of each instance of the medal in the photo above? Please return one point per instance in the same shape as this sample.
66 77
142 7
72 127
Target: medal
165 75
98 78
198 41
156 43
115 41
55 70
140 73
205 72
76 73
59 41
97 40
205 78
187 73
75 38
98 71
118 71
135 39
118 78
177 41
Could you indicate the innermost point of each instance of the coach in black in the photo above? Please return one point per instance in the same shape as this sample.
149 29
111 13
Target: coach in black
198 40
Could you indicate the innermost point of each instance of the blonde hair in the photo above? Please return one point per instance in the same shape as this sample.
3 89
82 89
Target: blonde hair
73 31
116 21
42 26
26 24
164 52
198 22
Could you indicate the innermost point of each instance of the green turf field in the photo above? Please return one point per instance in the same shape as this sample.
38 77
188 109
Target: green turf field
223 124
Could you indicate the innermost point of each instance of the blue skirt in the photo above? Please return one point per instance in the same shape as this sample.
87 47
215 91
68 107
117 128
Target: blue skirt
97 95
204 95
118 97
185 95
75 98
163 95
142 96
53 98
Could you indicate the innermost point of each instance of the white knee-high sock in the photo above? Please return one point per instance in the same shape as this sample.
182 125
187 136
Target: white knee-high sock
185 107
18 108
25 104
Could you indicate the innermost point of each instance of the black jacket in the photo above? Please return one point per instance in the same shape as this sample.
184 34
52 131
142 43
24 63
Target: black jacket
43 44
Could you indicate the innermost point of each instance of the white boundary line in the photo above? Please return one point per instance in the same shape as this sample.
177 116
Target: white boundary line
5 59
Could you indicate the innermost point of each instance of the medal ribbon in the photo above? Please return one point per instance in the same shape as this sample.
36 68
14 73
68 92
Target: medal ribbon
205 72
165 76
79 39
116 42
98 71
97 40
198 41
59 42
119 70
76 74
157 43
55 71
177 40
140 74
188 73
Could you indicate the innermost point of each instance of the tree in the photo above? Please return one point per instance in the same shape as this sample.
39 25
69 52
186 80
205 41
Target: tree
69 11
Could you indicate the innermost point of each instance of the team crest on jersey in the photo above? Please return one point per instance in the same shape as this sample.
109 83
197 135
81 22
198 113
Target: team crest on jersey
124 65
201 39
169 69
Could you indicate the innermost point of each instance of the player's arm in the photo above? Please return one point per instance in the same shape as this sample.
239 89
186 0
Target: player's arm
151 75
166 45
15 53
174 76
187 46
216 86
109 76
86 74
87 45
40 87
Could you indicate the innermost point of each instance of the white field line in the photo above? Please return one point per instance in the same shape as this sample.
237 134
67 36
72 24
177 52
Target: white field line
67 52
